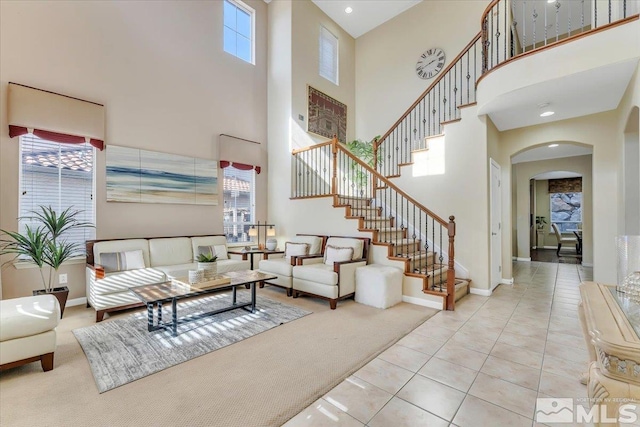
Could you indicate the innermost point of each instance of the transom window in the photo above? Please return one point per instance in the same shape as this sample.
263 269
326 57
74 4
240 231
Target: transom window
60 176
238 30
328 55
239 203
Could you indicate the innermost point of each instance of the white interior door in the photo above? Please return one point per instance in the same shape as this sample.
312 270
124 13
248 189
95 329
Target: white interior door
496 225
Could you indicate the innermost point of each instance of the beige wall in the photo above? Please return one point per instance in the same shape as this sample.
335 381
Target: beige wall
386 79
543 208
293 64
629 220
462 191
159 69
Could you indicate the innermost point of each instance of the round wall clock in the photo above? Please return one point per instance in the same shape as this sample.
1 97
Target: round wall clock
430 63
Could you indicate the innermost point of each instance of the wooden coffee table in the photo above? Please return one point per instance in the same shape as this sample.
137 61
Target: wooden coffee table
155 295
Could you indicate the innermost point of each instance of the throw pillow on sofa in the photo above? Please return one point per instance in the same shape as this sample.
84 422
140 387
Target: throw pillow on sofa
295 249
219 250
335 254
121 261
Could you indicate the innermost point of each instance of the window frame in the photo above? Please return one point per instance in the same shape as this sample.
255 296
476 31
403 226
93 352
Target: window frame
561 223
21 196
336 68
238 4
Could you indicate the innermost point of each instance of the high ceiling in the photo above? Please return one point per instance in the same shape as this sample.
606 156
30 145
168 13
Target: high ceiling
366 15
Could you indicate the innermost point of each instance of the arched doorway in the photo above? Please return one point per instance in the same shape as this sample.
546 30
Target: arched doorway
532 170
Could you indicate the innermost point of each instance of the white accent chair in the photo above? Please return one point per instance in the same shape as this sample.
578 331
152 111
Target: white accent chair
561 240
28 331
318 276
283 267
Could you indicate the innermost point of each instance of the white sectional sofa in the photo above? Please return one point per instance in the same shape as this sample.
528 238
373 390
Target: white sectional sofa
108 289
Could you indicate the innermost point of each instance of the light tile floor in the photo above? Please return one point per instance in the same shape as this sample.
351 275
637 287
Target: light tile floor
483 364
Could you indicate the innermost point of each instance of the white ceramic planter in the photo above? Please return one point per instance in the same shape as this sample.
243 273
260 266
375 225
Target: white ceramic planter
210 269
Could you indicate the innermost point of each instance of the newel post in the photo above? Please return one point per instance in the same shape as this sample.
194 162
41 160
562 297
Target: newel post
334 153
451 274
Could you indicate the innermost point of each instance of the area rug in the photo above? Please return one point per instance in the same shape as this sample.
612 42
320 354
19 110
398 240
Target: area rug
123 350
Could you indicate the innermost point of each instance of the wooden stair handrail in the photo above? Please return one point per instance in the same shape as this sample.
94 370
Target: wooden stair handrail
431 86
390 184
311 147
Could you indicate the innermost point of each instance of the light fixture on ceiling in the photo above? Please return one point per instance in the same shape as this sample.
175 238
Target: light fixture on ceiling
349 9
553 145
551 1
545 111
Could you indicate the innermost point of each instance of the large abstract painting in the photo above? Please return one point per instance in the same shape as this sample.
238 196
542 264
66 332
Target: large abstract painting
327 116
143 176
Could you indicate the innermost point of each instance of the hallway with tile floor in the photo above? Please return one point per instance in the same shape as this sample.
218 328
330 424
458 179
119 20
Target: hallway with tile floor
483 364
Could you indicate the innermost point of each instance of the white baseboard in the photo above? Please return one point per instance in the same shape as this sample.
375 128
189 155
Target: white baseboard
513 258
523 259
587 264
550 247
423 302
482 292
504 281
76 301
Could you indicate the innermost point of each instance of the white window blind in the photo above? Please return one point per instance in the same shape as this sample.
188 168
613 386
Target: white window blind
328 55
60 176
239 203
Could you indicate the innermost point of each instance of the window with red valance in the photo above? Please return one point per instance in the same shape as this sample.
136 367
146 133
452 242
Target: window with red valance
54 117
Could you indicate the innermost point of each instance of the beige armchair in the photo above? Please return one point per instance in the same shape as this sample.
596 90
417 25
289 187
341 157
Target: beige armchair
283 267
332 276
561 240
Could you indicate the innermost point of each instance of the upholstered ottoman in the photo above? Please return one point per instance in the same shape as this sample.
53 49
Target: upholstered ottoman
378 285
27 330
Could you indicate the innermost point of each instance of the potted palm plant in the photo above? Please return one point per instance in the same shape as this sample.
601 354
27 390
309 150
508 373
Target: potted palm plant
364 150
44 245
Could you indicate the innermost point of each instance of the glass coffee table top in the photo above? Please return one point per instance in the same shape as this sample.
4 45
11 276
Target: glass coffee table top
178 286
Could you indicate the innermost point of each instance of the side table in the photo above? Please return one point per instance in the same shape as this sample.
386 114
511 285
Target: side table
245 254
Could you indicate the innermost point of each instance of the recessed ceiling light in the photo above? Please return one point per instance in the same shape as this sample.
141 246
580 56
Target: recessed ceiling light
551 1
547 114
553 145
349 9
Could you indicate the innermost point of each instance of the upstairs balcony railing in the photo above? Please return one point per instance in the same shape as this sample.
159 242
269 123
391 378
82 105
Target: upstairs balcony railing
509 29
330 169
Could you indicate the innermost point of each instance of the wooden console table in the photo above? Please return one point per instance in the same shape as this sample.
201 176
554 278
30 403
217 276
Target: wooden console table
611 325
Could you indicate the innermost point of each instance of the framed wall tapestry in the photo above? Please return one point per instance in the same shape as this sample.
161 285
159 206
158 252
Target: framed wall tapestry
142 176
327 116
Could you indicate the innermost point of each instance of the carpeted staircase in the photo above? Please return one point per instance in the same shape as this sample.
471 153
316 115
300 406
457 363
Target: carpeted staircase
418 262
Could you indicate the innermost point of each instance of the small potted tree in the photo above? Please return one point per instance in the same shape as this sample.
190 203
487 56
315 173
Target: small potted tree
44 245
541 221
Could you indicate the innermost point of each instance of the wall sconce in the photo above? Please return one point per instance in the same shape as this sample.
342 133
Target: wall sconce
254 231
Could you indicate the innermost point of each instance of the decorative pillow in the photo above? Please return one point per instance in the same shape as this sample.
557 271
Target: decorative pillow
221 251
120 261
335 254
295 249
205 250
